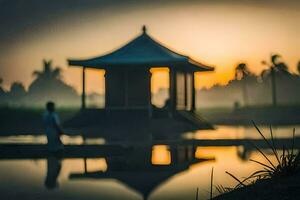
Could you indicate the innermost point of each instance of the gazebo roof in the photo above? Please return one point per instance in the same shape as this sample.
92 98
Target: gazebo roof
143 51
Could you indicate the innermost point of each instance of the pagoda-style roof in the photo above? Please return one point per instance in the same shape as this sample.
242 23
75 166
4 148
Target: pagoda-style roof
143 51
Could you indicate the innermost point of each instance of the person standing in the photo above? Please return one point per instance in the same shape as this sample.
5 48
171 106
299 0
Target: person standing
53 128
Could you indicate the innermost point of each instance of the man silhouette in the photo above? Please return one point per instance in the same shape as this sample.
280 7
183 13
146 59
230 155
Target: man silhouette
53 129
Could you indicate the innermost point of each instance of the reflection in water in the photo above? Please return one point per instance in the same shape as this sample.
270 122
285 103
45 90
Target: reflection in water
53 170
208 152
242 132
205 152
164 171
41 139
161 155
127 177
95 164
144 168
243 153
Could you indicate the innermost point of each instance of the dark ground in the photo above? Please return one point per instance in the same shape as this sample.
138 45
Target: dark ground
102 123
29 120
276 189
14 121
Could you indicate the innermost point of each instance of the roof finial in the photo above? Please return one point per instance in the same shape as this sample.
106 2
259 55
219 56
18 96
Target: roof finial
144 29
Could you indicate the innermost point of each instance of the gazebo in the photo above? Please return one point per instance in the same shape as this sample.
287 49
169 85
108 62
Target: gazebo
127 74
128 78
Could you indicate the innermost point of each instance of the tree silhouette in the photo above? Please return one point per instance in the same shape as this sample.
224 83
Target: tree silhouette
279 66
273 68
17 89
274 59
48 85
48 71
241 73
298 67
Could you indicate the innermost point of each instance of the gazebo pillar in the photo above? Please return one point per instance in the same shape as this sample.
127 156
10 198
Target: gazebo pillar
83 105
150 107
173 92
185 90
193 92
85 165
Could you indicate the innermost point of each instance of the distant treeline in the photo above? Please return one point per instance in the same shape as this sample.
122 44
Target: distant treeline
273 86
47 85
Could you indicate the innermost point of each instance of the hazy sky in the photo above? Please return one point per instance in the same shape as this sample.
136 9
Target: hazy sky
219 33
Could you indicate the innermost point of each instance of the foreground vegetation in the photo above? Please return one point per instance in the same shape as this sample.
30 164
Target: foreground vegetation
280 180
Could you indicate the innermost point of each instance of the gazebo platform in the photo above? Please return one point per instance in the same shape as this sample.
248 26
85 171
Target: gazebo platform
116 124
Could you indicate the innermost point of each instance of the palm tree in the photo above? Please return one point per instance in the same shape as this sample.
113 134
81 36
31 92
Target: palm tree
273 64
279 66
48 72
48 84
241 73
274 59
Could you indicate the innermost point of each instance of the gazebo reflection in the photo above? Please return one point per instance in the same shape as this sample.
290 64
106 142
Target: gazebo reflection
145 168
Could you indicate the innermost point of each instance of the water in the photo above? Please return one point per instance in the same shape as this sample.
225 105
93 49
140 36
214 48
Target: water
42 139
243 132
151 172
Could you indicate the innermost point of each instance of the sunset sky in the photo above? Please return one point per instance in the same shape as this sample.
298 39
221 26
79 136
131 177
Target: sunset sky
218 33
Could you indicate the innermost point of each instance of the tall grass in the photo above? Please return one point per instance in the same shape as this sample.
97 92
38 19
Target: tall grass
211 182
287 163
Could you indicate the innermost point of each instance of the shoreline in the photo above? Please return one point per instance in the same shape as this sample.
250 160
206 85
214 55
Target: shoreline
281 115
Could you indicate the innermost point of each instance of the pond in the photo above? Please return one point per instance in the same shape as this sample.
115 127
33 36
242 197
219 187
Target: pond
155 172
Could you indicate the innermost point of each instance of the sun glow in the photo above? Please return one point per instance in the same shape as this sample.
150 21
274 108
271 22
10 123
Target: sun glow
218 35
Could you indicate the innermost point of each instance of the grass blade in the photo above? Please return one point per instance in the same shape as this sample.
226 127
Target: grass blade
264 155
255 174
197 194
267 166
211 182
235 178
273 144
262 135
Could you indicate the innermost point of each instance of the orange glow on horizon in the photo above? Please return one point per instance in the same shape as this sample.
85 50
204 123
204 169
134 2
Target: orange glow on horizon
159 78
216 34
95 81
